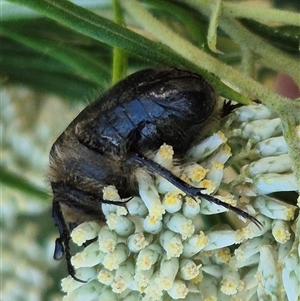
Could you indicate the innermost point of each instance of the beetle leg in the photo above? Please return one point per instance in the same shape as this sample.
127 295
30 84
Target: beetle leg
62 246
228 107
188 189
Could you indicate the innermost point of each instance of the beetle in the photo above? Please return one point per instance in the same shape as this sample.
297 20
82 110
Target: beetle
116 136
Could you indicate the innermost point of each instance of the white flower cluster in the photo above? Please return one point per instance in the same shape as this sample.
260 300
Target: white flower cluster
26 247
163 249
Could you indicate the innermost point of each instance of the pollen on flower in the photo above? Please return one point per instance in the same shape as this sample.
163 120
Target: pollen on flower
243 233
178 290
172 243
118 285
164 155
144 263
198 278
165 283
172 202
153 219
217 165
184 177
228 287
208 185
188 269
174 249
107 246
79 236
195 172
112 261
223 255
105 276
201 239
137 241
281 232
156 211
172 198
84 232
110 193
289 214
227 198
78 260
69 284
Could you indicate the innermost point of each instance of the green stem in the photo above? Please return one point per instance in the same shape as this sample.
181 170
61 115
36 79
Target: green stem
242 10
213 26
279 60
237 10
120 56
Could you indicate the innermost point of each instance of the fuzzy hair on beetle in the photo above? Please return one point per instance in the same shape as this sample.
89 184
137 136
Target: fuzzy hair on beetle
114 139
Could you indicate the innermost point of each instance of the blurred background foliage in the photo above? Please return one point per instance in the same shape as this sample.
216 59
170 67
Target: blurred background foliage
53 64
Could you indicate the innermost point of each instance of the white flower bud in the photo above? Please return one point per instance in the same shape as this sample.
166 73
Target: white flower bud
84 232
273 182
153 291
206 147
220 239
167 272
90 291
172 202
178 290
194 244
259 130
107 240
113 260
274 164
110 193
123 277
281 231
142 278
88 257
267 274
190 207
208 288
137 207
273 208
172 243
120 224
291 275
152 224
180 224
164 156
271 147
148 256
138 241
105 276
188 269
151 199
230 282
253 112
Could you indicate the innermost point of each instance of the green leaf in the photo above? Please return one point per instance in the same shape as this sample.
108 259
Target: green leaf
103 30
15 181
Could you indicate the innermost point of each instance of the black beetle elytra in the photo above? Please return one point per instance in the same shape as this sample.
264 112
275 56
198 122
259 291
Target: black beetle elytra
114 137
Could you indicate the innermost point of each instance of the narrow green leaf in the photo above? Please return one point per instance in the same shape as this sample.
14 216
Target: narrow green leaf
74 58
15 181
106 31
